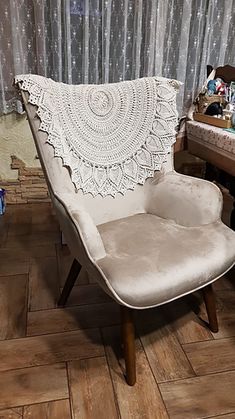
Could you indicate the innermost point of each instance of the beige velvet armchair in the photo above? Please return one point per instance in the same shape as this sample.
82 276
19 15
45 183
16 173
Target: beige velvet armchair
150 244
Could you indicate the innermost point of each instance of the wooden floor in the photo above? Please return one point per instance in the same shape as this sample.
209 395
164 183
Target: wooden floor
67 363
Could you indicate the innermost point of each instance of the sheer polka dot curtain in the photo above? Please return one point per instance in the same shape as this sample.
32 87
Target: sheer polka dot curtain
99 41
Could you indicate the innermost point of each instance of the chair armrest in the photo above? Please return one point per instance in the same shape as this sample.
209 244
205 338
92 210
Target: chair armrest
186 200
70 211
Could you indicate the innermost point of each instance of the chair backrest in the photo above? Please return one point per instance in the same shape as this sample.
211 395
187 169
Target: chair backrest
101 208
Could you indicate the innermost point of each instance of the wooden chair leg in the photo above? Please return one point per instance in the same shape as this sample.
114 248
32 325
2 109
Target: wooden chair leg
128 335
210 304
70 281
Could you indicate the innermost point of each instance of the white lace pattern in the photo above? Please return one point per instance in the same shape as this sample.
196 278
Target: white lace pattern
111 136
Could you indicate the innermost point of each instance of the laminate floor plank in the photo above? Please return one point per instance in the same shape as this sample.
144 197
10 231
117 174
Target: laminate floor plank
35 239
18 410
91 280
11 413
229 416
143 400
164 352
186 325
59 409
44 221
43 284
50 349
4 228
72 318
225 311
42 213
16 261
46 227
22 229
13 306
87 294
33 385
65 261
91 389
211 356
13 263
226 282
41 251
200 397
18 267
19 214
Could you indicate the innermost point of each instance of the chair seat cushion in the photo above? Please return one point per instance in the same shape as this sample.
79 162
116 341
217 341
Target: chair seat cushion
151 260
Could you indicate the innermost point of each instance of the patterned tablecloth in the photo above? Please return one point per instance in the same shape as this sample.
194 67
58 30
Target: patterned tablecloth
213 136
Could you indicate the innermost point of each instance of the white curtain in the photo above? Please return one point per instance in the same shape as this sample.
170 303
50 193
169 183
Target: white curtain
99 41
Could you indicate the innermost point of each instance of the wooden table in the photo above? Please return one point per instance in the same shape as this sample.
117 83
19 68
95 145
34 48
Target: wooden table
217 147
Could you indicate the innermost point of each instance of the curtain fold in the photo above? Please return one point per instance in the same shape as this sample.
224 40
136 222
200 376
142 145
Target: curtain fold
100 41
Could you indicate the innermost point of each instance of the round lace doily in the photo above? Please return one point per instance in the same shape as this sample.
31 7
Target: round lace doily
111 136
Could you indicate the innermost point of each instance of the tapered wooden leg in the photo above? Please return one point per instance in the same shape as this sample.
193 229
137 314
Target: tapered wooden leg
70 281
209 300
128 335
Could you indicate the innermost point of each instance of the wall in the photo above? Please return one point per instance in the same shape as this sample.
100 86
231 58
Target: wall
15 139
20 171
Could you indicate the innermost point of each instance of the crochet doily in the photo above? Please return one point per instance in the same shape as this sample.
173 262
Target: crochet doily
111 136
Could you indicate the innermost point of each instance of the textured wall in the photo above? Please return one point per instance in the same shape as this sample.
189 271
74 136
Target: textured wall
30 186
15 139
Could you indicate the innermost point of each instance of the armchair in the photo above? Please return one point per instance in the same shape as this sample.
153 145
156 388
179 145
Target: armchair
146 234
